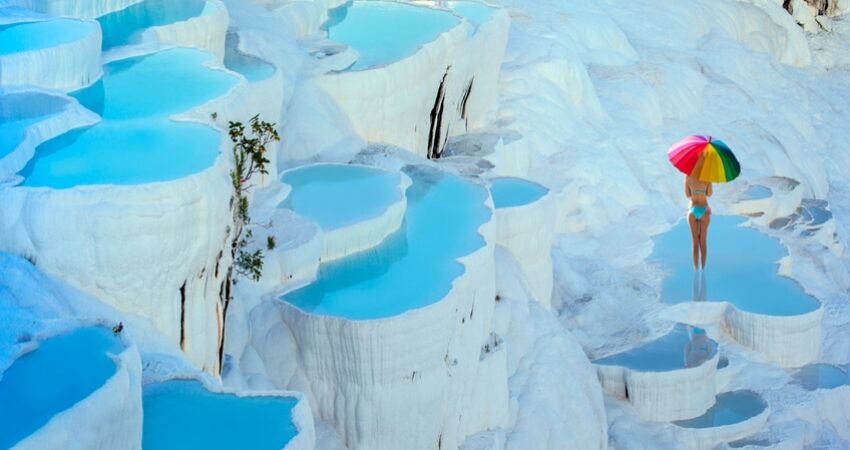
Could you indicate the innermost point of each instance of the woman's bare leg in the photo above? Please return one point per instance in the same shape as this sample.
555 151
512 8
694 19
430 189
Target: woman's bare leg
703 237
695 241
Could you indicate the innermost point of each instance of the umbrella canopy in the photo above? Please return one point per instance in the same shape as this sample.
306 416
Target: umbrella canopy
704 158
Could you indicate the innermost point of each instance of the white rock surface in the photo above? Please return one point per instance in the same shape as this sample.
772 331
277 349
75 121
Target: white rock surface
393 103
528 231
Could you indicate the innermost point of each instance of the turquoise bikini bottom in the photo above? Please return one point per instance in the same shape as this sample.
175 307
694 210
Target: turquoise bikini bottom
699 211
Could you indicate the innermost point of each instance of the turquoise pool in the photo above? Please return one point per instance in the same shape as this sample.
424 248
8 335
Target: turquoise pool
356 193
730 408
383 32
123 153
509 192
28 36
20 110
183 415
821 376
682 348
136 143
742 269
412 268
62 371
123 27
251 67
476 13
155 85
757 192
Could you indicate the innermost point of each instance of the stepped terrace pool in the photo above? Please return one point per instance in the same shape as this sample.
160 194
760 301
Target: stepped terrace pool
741 269
508 192
59 373
19 110
182 414
383 32
822 376
155 85
730 408
475 12
681 348
337 195
136 143
413 267
28 36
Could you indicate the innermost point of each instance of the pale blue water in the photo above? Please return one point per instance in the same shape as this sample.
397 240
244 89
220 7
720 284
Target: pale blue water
683 347
730 408
123 153
123 27
12 132
413 267
29 36
476 13
383 32
821 376
18 111
508 192
251 67
742 269
156 85
136 142
757 192
337 195
183 415
62 371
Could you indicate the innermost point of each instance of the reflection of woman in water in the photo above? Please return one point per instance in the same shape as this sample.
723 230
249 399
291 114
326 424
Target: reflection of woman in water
699 216
699 347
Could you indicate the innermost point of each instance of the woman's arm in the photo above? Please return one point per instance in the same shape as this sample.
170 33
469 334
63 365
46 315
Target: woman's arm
687 190
708 190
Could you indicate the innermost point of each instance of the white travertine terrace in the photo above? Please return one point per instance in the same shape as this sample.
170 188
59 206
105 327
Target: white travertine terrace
64 67
206 31
663 396
528 231
374 379
790 341
393 103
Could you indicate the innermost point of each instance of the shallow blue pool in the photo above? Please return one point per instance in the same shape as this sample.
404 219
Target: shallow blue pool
682 348
28 36
20 110
412 268
508 192
62 371
730 408
183 415
123 153
383 32
821 376
757 192
742 269
337 195
156 85
123 27
476 13
251 67
136 142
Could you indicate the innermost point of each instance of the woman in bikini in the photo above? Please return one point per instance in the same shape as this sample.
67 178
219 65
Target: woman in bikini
699 216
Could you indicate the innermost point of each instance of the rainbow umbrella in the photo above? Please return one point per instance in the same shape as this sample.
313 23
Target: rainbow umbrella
705 159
